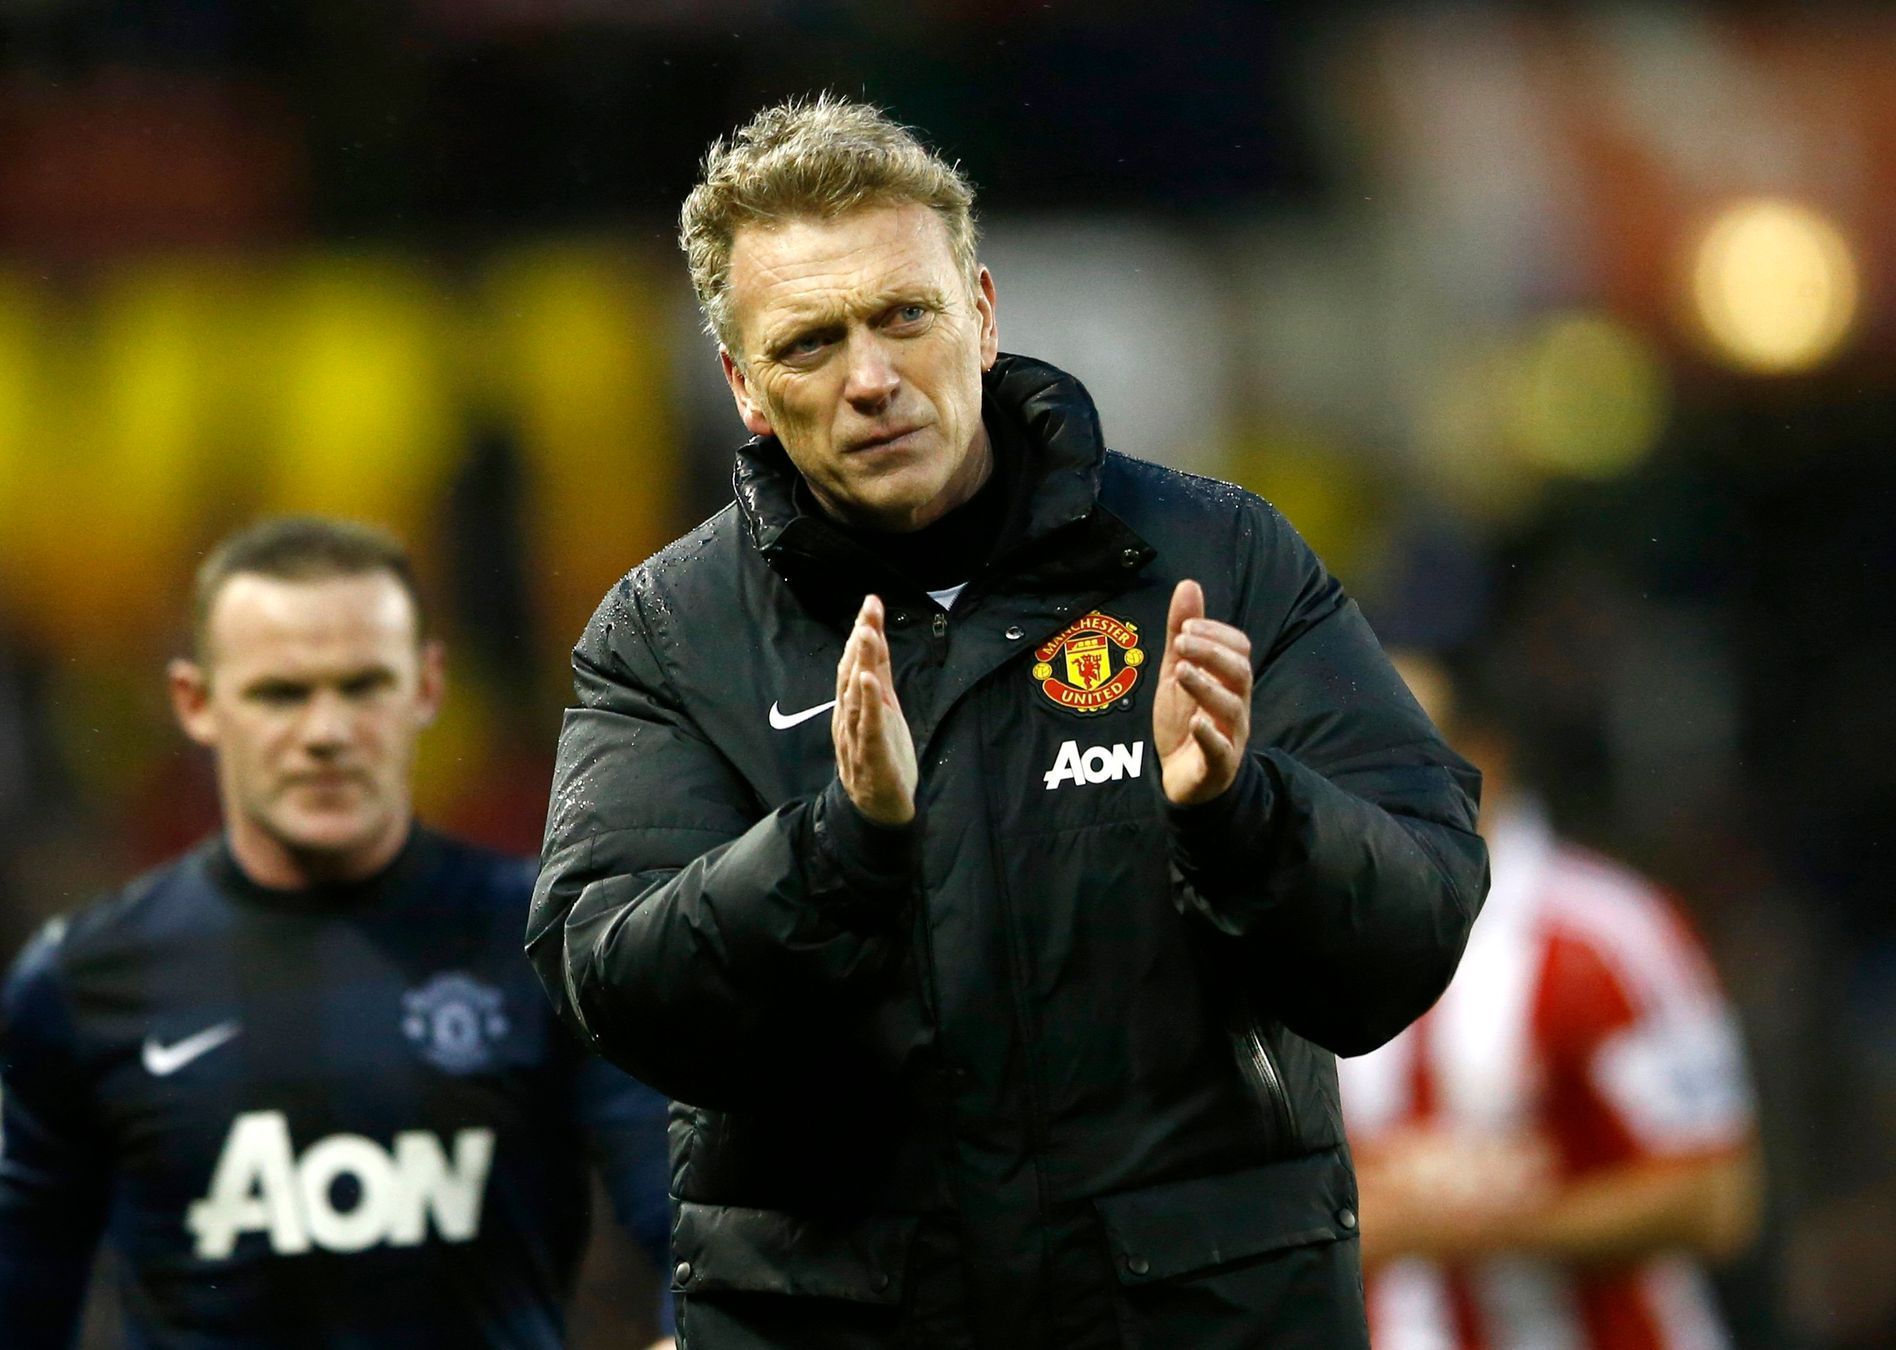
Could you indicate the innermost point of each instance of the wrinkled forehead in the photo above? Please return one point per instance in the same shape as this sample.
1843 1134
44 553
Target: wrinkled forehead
813 267
310 624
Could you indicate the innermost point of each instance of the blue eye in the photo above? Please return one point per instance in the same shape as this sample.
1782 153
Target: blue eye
810 344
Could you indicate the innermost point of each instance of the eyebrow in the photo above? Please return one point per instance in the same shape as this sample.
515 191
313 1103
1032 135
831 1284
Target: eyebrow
285 684
273 681
795 324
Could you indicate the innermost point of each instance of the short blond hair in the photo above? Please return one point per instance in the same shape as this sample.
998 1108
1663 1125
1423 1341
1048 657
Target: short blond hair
820 157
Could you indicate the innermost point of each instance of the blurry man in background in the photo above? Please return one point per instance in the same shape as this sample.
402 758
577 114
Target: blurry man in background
1548 1156
301 1075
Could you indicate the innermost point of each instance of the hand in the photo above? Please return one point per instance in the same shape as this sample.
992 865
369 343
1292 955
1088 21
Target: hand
1201 714
1447 1196
875 755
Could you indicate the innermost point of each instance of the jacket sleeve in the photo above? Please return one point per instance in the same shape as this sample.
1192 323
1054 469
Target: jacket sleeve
1344 859
711 946
53 1177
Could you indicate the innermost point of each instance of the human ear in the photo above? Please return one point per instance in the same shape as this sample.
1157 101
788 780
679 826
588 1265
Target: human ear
755 420
990 327
190 687
433 682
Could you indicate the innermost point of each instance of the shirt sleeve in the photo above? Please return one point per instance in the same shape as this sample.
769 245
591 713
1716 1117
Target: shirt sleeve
625 1124
1647 1059
53 1175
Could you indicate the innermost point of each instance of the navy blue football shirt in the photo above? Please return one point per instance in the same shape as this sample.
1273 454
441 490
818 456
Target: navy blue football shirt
339 1117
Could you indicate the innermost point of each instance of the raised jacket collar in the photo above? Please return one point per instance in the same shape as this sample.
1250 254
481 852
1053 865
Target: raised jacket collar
1062 434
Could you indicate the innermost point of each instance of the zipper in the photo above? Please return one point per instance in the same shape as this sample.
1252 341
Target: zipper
1039 1142
1268 1085
939 624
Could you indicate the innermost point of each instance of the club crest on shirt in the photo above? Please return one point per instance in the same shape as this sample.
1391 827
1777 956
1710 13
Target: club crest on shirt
455 1021
1091 665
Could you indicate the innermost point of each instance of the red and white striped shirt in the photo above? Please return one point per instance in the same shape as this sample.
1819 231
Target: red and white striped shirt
1584 1011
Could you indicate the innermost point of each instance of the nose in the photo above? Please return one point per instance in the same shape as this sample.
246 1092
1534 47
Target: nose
326 723
873 380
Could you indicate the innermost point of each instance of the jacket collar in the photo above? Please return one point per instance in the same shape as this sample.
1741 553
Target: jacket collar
1062 435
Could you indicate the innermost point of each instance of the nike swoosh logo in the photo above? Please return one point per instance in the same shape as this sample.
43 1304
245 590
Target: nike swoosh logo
161 1061
783 721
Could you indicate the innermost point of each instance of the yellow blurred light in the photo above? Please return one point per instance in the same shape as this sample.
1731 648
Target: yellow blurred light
580 332
1775 286
461 739
18 351
170 399
1460 432
364 421
1585 397
1313 482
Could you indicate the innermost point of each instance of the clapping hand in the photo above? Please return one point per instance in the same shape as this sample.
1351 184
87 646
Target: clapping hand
875 755
1201 714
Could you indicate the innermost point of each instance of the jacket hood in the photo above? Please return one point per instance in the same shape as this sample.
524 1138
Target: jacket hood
1060 428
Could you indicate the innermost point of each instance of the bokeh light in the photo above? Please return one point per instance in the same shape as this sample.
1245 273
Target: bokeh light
1775 286
1586 397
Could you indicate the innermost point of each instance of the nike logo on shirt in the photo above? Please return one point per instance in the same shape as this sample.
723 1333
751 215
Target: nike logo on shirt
161 1061
783 721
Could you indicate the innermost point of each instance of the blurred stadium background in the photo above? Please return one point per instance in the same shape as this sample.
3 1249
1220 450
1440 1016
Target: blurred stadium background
1564 331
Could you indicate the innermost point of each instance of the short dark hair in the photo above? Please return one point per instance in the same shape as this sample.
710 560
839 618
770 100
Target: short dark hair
300 548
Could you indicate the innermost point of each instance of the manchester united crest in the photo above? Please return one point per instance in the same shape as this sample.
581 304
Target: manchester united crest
456 1022
1090 666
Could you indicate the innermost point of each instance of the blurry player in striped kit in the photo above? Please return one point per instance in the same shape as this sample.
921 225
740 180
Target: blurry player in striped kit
1550 1155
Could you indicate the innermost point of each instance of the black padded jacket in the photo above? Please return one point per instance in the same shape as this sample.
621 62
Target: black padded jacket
1053 1066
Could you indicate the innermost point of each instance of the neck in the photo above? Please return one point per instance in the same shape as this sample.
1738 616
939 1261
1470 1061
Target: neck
271 862
977 468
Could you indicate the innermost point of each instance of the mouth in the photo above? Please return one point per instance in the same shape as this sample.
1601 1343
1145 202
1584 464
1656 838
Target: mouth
891 440
325 782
